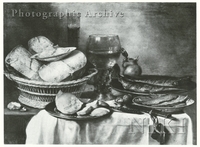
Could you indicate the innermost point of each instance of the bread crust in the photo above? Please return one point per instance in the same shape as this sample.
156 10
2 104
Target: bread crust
20 59
67 103
60 70
39 44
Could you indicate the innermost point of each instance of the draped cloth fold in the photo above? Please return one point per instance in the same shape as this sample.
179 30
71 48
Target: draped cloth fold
118 128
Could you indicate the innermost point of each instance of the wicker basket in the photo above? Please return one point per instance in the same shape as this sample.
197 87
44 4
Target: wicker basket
38 94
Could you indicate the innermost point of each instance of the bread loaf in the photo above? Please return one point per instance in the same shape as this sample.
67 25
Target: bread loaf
60 70
19 59
39 44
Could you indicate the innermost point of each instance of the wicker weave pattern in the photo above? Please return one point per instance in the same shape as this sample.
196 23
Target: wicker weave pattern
38 94
32 103
37 97
50 91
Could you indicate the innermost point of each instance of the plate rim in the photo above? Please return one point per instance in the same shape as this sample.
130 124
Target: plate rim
152 107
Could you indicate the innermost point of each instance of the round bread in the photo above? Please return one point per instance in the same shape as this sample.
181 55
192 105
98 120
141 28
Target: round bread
67 103
39 44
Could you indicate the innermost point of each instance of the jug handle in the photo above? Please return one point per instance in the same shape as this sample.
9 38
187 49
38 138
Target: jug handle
125 54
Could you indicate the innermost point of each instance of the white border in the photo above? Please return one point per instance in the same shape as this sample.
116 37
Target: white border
25 1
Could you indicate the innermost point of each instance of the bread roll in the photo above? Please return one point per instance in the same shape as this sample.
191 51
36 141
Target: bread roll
54 72
19 59
76 60
67 103
39 44
60 70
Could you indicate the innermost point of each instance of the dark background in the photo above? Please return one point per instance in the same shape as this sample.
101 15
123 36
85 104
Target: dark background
163 35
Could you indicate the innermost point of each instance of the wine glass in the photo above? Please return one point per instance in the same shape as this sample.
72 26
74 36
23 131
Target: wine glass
103 51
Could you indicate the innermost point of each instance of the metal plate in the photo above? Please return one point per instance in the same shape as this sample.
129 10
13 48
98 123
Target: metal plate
184 82
167 109
51 109
116 85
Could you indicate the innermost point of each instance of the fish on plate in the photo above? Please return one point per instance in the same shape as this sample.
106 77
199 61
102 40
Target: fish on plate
166 81
143 87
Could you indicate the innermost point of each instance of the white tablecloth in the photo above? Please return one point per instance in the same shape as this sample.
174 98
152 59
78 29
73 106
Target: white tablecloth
118 128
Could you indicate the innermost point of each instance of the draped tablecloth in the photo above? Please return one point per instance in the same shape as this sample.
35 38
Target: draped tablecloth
118 128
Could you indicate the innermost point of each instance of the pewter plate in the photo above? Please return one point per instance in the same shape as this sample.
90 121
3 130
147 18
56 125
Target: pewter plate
166 109
52 110
116 85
